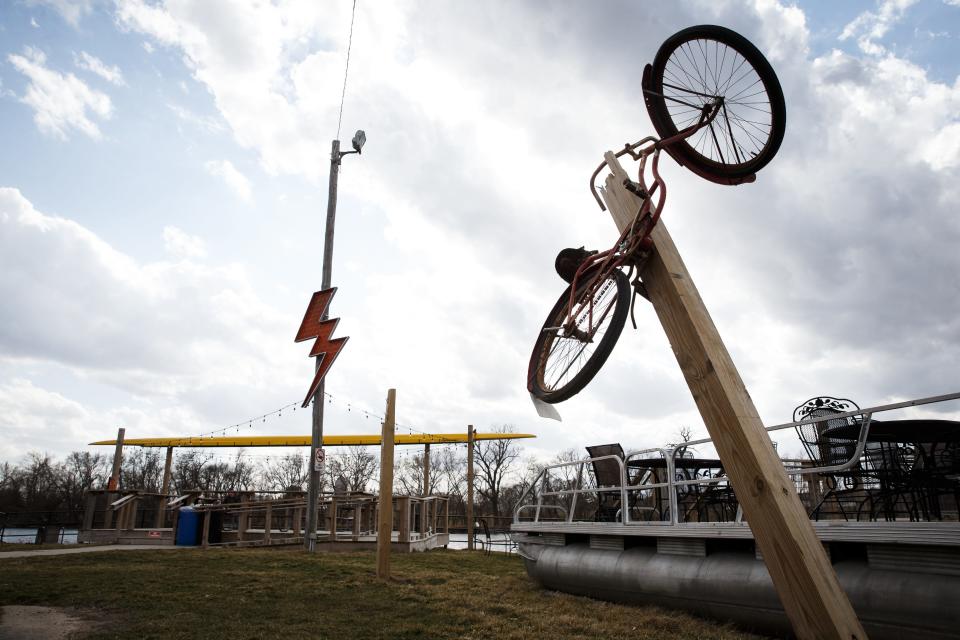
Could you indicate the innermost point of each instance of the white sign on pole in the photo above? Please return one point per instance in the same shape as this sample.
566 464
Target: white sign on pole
319 459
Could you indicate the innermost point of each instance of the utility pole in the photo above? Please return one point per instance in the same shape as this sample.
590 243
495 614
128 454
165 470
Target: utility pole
316 439
470 440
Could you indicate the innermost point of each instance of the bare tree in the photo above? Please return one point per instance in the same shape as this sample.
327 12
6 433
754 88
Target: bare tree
288 473
39 483
80 472
142 469
495 459
357 466
243 474
408 474
188 470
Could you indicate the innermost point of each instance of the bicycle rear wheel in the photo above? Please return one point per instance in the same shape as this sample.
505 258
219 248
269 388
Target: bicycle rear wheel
691 69
560 367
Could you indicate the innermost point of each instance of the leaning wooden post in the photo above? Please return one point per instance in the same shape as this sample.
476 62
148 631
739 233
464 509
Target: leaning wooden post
164 488
114 482
385 520
805 581
470 487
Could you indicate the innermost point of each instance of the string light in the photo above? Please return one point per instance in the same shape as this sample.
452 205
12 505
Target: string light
352 407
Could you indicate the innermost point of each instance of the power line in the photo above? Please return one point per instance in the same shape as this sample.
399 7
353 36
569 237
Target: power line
346 71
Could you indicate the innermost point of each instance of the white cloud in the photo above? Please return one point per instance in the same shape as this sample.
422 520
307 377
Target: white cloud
869 26
158 329
33 23
479 162
180 244
70 10
95 65
61 102
232 177
834 272
209 124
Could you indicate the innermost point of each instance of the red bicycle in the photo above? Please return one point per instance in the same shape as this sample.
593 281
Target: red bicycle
718 109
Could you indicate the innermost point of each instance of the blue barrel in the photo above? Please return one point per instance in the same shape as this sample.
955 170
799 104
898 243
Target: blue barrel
189 527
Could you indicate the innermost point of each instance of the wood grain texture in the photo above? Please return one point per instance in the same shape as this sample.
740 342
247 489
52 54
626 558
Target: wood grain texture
385 511
801 571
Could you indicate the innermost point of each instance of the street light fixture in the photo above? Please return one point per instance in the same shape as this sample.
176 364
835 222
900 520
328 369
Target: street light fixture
316 439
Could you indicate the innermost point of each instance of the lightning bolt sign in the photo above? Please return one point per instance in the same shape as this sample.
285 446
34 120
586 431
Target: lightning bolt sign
315 326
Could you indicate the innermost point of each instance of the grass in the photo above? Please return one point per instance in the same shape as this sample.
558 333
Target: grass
286 593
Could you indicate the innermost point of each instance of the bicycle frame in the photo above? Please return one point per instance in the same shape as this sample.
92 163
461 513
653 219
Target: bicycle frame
634 242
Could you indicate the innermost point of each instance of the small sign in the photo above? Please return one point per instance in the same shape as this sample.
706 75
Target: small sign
153 534
318 461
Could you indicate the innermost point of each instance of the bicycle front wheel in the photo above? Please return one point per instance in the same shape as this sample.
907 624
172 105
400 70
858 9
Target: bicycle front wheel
565 360
695 67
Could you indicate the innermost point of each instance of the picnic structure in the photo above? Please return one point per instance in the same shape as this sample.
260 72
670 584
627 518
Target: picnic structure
346 519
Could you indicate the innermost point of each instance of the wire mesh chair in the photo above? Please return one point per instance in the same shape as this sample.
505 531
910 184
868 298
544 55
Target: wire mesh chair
845 489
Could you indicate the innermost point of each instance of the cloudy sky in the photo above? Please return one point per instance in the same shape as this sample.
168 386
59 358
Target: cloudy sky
163 187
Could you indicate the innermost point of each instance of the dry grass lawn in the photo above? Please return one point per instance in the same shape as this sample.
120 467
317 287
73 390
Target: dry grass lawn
286 593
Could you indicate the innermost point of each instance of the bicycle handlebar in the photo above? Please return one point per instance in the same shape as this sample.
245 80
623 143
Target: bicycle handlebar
709 112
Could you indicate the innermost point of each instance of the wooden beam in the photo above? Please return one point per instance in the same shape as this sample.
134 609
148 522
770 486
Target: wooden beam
385 519
332 519
205 539
802 574
164 489
470 487
114 483
268 524
426 470
403 533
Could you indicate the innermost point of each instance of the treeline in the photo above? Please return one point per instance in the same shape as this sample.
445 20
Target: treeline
42 485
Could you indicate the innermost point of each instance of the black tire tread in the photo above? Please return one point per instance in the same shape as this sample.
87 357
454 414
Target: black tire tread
600 354
660 116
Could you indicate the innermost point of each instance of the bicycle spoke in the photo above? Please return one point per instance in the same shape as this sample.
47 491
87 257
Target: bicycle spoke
696 72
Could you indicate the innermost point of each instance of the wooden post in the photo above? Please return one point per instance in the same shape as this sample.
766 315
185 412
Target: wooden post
268 523
802 574
357 517
470 487
114 482
426 470
175 522
426 488
89 511
403 534
332 519
164 489
243 522
205 540
385 521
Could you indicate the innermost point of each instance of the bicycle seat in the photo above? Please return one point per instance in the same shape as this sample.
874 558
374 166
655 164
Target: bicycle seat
569 260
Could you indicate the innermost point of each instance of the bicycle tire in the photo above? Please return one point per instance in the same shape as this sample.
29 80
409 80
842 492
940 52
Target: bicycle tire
717 61
545 349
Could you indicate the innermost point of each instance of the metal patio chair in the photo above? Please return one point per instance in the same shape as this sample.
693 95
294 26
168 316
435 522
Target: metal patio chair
607 474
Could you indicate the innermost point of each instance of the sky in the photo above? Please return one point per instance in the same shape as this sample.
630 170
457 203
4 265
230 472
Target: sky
163 192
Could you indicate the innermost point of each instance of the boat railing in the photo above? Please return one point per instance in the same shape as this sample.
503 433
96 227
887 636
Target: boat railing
678 484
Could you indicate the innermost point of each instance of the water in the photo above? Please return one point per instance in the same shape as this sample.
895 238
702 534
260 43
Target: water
27 535
498 542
